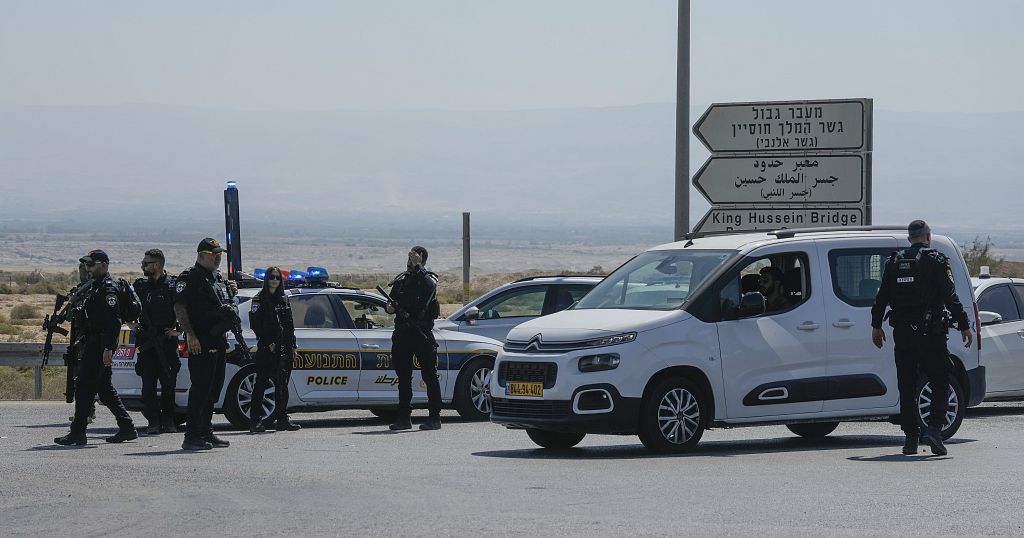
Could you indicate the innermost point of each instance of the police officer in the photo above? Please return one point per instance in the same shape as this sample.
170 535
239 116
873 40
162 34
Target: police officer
415 307
270 317
200 304
157 339
918 283
101 324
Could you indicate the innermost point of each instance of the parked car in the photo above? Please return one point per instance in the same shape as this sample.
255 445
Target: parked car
1001 305
652 354
344 362
494 313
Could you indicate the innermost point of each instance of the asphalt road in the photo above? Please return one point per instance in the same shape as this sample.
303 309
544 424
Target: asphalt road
343 474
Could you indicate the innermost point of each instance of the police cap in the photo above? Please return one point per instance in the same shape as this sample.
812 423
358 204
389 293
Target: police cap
210 245
95 256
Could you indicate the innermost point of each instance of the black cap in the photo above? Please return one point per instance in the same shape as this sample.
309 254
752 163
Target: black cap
918 228
209 245
95 256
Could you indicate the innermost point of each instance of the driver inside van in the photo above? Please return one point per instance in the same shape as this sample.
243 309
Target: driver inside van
773 290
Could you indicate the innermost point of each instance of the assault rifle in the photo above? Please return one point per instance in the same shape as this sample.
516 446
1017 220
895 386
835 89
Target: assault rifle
64 308
404 315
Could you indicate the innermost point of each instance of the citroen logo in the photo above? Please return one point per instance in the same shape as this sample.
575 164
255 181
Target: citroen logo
534 343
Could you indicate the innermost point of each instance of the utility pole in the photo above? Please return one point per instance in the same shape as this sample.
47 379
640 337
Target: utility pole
682 213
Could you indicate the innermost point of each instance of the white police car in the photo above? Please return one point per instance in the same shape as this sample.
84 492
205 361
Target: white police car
494 313
344 361
1001 306
674 342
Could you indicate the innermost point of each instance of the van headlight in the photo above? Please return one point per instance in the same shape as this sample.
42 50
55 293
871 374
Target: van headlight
611 340
597 363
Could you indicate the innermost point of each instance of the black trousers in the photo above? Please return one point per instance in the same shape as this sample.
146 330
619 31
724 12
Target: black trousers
159 409
405 345
206 371
94 379
916 353
273 366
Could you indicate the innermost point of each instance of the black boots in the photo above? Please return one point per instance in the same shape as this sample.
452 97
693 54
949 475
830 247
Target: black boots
933 438
432 423
910 446
402 422
123 435
71 439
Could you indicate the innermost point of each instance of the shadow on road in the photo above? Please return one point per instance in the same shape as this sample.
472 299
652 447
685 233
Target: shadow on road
988 412
900 458
723 449
44 448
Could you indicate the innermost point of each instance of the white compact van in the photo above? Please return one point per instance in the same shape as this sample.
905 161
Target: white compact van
681 338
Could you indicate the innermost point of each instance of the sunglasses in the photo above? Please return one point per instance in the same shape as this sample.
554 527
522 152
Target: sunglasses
273 277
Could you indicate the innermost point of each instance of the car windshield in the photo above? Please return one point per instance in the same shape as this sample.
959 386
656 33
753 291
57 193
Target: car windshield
655 280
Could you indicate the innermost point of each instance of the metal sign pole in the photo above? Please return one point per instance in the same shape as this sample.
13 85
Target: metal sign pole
682 213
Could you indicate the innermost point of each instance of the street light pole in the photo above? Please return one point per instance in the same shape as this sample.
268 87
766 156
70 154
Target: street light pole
682 211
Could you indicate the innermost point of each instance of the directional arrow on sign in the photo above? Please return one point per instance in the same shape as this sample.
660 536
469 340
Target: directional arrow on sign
785 126
774 180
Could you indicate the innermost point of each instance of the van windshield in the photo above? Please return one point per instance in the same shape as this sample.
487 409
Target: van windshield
655 280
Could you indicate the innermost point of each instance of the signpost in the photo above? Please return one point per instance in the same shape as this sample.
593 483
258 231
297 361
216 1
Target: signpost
786 164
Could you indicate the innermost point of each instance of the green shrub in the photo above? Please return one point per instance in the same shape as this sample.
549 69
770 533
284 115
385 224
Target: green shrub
25 311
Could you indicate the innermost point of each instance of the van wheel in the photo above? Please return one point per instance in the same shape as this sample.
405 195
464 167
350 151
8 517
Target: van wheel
672 416
238 398
955 411
813 430
555 440
473 389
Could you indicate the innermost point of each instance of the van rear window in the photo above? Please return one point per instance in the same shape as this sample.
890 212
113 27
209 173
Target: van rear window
857 274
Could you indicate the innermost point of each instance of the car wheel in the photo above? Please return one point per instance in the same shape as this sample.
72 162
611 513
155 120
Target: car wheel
813 430
957 406
384 413
555 440
473 389
238 398
672 417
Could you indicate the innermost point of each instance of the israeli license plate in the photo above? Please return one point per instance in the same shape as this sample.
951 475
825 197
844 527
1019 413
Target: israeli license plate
534 390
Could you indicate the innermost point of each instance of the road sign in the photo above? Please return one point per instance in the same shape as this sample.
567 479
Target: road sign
786 126
767 180
752 218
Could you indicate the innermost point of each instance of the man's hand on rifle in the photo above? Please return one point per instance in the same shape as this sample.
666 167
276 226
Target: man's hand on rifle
108 357
194 348
232 287
390 308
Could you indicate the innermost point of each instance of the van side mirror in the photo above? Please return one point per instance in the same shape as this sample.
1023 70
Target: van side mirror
472 314
752 304
989 318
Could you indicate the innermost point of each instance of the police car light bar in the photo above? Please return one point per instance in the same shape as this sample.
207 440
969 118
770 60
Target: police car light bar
296 276
259 273
316 273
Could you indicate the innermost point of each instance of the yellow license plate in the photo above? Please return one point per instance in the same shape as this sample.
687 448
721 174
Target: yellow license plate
535 390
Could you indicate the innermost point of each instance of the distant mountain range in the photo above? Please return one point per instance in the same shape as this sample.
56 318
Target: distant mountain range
366 172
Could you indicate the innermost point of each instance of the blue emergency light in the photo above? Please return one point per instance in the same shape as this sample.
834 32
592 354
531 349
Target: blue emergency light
316 273
296 276
259 273
232 185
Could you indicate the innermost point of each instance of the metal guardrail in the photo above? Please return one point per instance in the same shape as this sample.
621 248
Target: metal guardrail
30 354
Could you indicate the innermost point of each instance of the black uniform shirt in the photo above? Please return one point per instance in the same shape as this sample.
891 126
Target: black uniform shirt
157 304
936 284
270 318
102 314
197 289
414 291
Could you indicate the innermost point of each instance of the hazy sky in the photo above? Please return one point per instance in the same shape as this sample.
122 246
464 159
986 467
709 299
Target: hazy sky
488 54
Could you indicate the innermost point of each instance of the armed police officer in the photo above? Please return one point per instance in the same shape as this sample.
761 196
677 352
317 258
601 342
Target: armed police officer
270 317
415 307
202 305
918 283
101 325
157 339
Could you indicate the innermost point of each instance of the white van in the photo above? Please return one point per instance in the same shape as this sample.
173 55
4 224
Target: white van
675 341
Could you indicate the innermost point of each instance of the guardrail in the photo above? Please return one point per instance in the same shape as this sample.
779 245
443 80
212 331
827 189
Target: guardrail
30 354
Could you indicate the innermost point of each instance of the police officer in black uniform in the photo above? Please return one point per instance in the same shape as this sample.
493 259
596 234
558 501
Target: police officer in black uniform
201 304
101 319
415 307
157 339
918 283
270 317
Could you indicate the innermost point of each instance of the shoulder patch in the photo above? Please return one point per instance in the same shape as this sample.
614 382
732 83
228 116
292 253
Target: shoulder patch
180 286
255 306
112 299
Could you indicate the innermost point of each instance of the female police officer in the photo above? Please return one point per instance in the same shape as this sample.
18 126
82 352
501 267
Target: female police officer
271 319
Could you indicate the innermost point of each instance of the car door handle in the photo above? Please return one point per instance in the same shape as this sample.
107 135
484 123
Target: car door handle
807 326
371 346
843 323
